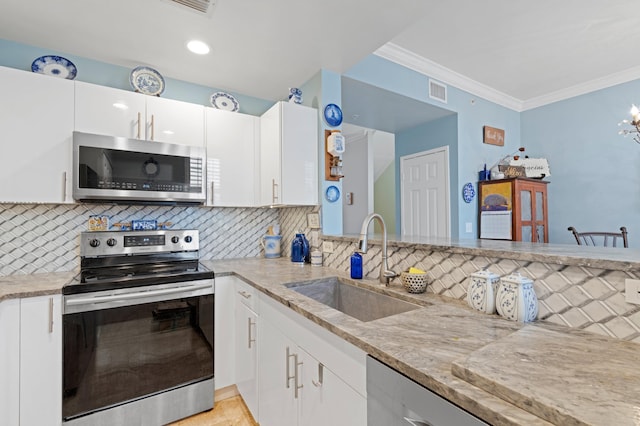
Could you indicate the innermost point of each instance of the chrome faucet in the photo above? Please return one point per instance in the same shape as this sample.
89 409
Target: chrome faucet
386 274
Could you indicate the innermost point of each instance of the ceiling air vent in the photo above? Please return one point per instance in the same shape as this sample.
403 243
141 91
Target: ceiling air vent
197 5
437 91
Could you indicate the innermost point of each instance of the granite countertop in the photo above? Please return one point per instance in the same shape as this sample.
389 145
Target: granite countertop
18 286
504 372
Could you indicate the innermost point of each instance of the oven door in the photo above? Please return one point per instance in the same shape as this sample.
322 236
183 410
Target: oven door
125 345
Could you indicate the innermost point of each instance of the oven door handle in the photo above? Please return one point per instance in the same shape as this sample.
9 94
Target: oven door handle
124 297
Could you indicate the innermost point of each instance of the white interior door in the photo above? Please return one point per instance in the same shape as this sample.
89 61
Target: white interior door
425 193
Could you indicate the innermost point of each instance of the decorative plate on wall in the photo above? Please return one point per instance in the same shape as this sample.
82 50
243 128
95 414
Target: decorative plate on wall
225 101
332 194
333 115
56 66
468 192
147 80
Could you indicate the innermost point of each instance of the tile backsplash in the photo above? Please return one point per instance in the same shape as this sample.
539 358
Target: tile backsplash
37 238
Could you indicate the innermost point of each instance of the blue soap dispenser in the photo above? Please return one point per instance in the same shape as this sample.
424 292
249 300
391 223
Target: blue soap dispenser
356 265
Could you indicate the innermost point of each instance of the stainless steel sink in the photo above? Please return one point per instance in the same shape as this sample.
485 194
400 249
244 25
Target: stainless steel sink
357 302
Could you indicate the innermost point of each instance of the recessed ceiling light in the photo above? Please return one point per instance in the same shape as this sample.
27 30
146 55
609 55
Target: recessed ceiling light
198 47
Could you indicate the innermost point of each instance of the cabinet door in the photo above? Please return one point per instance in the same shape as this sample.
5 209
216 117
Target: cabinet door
36 118
10 362
246 356
224 334
326 399
175 122
41 360
232 172
108 111
270 161
276 377
299 150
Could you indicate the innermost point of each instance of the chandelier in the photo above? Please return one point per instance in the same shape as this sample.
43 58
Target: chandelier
635 123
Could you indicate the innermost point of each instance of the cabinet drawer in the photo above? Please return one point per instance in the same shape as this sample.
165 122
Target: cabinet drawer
247 294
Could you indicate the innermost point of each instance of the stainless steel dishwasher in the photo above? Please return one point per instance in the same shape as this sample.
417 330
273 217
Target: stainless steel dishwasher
395 400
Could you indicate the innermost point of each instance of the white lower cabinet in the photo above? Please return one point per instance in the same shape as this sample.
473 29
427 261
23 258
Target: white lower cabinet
326 399
223 333
277 394
41 361
306 375
10 362
246 327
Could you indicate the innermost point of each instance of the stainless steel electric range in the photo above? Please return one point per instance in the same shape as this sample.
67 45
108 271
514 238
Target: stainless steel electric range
138 330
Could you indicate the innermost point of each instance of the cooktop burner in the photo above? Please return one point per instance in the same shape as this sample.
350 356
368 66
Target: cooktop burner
111 260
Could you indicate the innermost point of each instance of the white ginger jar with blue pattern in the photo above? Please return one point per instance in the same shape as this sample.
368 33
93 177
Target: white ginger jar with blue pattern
481 291
516 298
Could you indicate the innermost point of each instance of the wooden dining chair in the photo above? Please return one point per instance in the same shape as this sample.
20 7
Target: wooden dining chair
592 238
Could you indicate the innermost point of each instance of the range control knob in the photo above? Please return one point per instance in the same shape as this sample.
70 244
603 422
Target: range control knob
175 240
111 242
188 239
94 242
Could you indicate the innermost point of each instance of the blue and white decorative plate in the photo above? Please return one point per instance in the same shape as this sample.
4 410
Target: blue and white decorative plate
468 192
225 101
333 115
332 194
147 81
56 66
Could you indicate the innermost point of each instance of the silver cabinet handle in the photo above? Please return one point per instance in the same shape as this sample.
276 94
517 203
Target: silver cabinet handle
274 192
64 186
139 125
50 315
212 185
320 376
152 126
295 376
250 340
289 376
415 422
244 294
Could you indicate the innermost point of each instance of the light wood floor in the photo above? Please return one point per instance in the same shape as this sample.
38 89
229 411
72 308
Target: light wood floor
228 412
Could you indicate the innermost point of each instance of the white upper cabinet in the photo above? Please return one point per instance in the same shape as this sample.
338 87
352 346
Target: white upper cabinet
108 111
175 122
289 155
232 172
36 118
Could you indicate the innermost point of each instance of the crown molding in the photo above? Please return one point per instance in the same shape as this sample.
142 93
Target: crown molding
406 58
583 88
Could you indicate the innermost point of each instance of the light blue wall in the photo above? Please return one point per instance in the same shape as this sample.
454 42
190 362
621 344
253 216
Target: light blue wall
473 113
20 56
595 177
435 134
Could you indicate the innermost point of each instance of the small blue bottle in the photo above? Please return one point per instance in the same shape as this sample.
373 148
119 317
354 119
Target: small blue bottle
356 265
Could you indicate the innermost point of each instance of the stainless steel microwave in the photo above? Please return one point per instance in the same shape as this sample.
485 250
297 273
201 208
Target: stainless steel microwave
115 169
